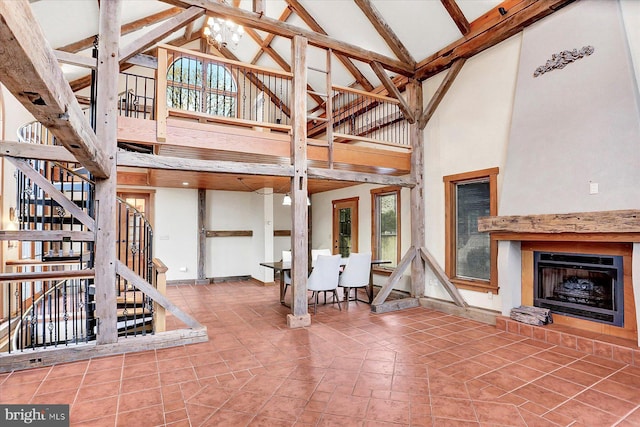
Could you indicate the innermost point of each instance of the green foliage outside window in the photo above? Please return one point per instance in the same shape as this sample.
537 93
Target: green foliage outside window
185 89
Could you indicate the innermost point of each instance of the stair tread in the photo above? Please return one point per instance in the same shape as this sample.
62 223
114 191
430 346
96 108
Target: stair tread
131 311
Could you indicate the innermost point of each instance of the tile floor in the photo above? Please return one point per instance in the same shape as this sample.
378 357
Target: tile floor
416 367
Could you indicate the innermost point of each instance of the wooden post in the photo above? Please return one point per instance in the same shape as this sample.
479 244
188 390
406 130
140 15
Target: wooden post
328 107
159 312
300 316
202 237
161 96
416 137
107 133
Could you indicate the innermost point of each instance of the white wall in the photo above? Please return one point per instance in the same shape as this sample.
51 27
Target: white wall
281 221
468 132
631 19
175 231
575 126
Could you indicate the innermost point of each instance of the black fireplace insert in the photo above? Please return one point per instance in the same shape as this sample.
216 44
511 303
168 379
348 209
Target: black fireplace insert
584 286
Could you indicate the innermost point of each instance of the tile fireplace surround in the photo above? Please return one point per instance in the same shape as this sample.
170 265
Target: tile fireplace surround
605 346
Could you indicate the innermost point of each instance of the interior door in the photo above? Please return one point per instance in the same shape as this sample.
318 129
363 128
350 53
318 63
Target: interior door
345 226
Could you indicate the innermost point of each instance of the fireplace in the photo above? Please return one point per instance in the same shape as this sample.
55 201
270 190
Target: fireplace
583 286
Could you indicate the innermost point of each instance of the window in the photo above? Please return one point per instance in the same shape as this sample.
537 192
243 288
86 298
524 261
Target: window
471 256
208 88
385 221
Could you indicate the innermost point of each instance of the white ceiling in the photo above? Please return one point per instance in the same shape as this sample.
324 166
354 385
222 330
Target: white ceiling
423 26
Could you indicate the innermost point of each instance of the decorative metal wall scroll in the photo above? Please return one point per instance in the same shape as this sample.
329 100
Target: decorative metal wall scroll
560 60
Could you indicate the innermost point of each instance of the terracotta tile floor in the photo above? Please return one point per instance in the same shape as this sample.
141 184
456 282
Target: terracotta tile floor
416 367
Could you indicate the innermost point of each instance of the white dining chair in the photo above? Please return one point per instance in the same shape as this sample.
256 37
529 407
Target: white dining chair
316 252
355 275
324 278
286 275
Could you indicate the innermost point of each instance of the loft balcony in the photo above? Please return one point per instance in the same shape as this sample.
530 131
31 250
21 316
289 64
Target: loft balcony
204 107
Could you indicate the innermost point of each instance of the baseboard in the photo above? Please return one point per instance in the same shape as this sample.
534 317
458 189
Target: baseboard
209 280
261 283
473 313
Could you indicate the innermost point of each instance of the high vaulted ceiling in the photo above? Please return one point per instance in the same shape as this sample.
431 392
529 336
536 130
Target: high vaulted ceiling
368 38
423 35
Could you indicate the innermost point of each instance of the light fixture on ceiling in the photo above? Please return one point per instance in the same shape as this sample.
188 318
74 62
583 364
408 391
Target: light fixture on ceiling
220 32
286 201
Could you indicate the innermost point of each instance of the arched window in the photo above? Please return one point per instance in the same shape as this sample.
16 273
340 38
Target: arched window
208 88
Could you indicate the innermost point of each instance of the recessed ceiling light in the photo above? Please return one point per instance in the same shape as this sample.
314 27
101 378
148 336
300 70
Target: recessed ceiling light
185 183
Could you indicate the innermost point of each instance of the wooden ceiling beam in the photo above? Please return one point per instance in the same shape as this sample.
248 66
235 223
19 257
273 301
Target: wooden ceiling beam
259 6
458 17
160 32
264 23
188 30
30 71
125 29
258 83
393 91
75 59
359 177
286 13
313 24
85 81
279 60
152 161
489 30
385 31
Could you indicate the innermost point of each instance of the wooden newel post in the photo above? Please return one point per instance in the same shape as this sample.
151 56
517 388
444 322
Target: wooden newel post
160 283
299 211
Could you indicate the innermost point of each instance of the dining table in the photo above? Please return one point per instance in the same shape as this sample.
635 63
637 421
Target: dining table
285 266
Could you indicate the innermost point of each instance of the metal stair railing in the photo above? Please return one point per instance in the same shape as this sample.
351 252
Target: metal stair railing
35 210
135 250
59 316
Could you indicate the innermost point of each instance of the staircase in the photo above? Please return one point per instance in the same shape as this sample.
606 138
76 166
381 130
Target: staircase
47 306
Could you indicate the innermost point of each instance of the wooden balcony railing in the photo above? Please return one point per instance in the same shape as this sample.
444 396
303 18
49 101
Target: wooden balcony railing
212 89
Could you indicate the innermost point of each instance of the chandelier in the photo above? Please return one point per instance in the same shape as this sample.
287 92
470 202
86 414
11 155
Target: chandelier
219 32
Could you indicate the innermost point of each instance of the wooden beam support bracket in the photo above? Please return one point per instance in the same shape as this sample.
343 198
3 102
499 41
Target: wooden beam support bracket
54 193
440 93
142 285
395 277
393 91
451 289
21 150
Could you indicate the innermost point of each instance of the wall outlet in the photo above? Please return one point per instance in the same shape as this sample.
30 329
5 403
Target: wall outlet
593 188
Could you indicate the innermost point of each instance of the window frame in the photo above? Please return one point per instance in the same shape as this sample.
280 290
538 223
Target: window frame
203 91
450 185
375 193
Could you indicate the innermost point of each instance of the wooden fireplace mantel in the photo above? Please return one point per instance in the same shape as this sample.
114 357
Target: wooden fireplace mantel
609 226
